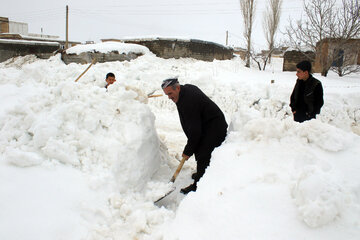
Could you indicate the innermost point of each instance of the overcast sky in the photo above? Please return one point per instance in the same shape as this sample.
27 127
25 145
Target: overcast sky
95 20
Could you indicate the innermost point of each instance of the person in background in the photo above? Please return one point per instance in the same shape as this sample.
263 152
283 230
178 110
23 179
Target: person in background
202 122
307 96
110 79
141 96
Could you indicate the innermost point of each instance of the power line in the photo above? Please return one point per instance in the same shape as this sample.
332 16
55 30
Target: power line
36 12
155 12
146 9
172 4
57 12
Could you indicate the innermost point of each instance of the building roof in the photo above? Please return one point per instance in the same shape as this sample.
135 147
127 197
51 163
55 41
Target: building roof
17 36
17 41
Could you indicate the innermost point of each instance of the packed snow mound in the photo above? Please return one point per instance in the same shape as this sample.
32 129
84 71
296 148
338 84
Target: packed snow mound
84 126
272 178
251 177
319 196
106 47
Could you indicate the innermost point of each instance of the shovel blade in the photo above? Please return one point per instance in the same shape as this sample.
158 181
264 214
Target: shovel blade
167 194
181 164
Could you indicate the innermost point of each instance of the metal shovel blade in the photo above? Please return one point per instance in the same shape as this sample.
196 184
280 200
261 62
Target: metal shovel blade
167 194
181 164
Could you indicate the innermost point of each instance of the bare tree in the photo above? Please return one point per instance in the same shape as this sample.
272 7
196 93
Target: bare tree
347 22
261 59
271 21
326 22
248 12
305 33
345 28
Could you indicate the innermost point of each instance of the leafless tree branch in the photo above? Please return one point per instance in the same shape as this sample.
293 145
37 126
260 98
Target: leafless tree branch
271 19
323 20
248 12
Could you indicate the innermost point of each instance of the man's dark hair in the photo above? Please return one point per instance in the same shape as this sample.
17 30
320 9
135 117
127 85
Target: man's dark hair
169 82
304 66
110 74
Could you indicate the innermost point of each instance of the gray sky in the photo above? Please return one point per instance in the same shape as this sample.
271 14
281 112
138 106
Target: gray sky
94 20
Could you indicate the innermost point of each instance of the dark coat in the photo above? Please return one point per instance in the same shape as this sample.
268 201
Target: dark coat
200 118
306 99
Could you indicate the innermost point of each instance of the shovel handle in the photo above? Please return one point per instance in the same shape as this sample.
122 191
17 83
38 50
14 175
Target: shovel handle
178 169
93 61
151 96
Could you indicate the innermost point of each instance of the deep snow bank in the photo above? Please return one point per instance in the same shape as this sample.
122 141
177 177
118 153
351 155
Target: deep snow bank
272 179
276 179
74 124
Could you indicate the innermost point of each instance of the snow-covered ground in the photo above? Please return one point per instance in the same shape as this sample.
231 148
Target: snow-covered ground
80 162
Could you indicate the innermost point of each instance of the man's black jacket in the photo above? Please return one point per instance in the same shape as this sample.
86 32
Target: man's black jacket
199 116
307 97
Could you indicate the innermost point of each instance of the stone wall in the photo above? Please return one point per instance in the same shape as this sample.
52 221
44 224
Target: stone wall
291 58
164 48
88 57
15 48
176 48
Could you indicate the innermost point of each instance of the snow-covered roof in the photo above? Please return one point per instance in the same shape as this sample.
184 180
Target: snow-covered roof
106 47
302 49
32 37
154 38
27 42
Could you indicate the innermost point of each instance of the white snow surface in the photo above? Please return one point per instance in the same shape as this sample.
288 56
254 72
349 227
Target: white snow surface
80 162
106 47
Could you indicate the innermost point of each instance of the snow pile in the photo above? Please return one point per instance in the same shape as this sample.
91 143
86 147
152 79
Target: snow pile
106 47
81 155
76 125
276 173
320 198
78 161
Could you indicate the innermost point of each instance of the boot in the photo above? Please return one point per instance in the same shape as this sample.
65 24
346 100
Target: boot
190 188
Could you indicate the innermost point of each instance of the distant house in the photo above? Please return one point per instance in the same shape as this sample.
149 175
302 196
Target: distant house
19 31
336 52
15 40
329 52
7 26
240 51
277 52
293 57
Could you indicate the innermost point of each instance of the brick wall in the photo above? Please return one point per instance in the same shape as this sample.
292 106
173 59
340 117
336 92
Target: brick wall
87 57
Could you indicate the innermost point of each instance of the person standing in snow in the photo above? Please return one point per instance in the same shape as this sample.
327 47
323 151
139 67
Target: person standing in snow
110 79
307 96
202 121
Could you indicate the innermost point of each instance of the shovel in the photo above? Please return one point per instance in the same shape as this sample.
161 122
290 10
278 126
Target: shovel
173 178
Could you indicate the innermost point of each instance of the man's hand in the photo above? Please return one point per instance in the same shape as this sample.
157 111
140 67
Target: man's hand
185 156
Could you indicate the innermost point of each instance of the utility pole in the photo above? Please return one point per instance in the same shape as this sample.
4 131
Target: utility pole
227 37
67 28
